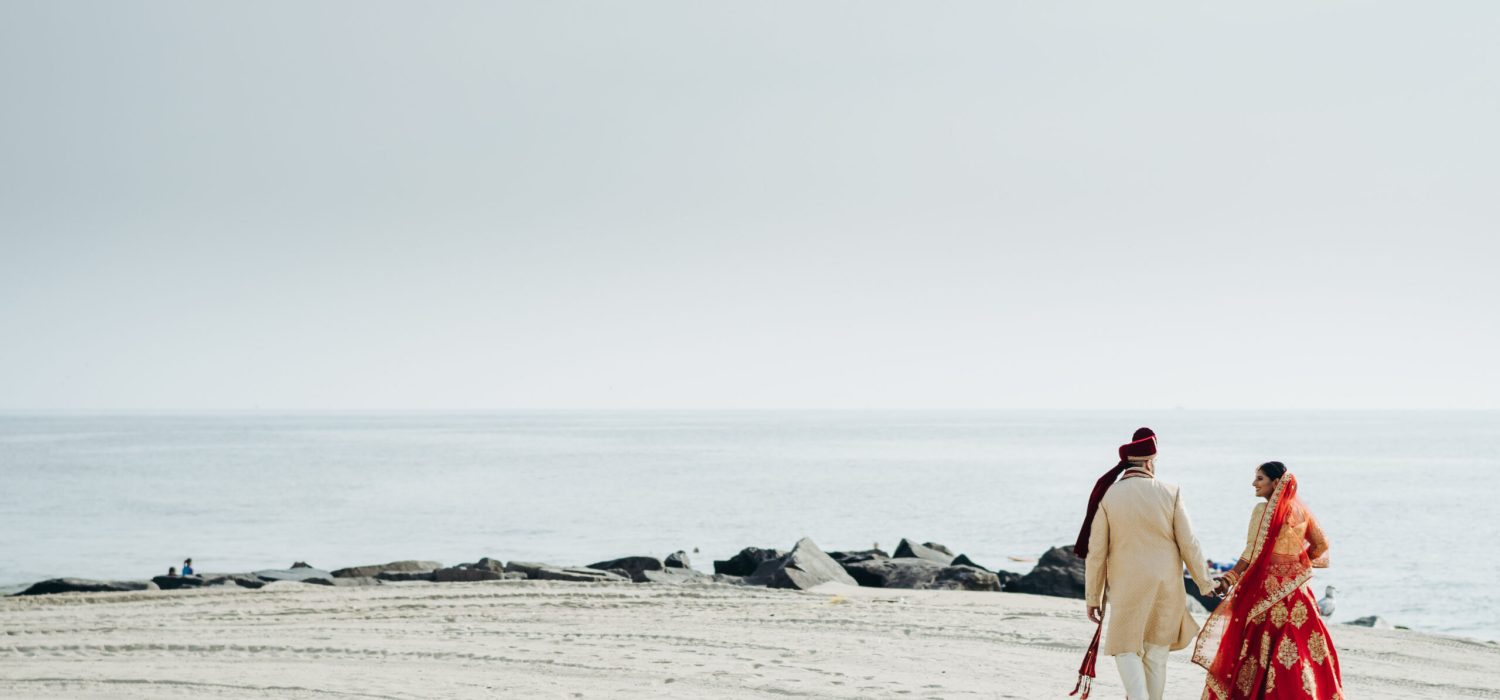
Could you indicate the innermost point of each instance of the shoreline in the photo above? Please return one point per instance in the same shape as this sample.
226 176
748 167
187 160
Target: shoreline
534 638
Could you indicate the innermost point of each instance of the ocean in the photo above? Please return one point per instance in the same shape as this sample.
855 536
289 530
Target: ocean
1407 498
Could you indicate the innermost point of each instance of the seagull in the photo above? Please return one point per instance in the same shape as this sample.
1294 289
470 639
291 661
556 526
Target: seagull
1325 606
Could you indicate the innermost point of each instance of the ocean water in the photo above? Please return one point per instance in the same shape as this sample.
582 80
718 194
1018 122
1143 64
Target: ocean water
1408 498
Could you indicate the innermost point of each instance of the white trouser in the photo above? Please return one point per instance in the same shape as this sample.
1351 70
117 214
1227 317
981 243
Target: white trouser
1144 675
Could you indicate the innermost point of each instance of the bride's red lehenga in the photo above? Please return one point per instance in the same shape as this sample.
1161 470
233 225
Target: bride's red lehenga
1267 640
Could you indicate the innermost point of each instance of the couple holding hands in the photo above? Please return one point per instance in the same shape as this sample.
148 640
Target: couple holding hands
1265 639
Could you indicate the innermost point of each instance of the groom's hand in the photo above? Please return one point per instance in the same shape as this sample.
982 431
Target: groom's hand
1221 587
1096 613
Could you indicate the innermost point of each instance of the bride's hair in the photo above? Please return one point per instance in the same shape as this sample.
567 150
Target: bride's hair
1273 470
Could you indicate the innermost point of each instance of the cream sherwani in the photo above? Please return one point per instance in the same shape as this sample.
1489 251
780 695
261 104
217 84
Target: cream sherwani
1140 539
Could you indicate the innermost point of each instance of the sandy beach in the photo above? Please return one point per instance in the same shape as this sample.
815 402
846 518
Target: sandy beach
567 640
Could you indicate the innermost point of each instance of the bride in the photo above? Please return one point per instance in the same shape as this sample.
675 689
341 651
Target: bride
1266 639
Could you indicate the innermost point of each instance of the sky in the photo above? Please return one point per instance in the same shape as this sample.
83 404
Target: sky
771 205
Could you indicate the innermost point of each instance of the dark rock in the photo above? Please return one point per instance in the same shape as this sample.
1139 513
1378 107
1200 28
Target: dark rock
83 585
678 560
846 558
964 560
301 565
486 564
747 561
172 583
1209 602
729 579
938 547
965 578
548 572
905 572
406 575
909 550
454 574
241 580
1007 579
1374 621
1058 573
377 569
633 568
301 574
802 568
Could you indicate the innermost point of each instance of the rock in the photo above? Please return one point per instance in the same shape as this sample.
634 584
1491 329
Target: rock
633 568
905 572
1058 573
1007 579
82 585
377 569
357 581
172 583
747 561
455 574
965 578
1374 621
908 550
678 560
938 547
964 560
802 568
729 579
406 575
240 580
301 565
486 564
1195 599
305 574
548 572
847 558
672 574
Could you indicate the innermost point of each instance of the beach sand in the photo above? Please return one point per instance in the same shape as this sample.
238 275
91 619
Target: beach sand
528 639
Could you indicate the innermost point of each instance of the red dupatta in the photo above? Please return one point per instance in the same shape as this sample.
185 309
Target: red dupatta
1269 578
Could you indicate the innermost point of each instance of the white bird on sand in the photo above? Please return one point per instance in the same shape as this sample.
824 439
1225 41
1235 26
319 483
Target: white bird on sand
1325 606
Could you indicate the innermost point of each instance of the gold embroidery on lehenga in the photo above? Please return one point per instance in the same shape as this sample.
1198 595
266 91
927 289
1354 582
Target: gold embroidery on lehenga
1258 619
1219 693
1286 653
1245 680
1299 615
1270 678
1278 615
1309 683
1265 648
1317 647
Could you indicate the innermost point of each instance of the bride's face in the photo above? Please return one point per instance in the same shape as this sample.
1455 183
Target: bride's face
1263 485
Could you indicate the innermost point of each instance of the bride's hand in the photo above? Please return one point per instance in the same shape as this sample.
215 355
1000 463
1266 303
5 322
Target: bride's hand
1221 587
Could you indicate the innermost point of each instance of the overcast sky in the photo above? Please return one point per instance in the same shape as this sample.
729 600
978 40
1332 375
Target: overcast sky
365 205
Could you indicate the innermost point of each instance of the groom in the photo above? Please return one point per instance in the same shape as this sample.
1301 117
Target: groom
1135 540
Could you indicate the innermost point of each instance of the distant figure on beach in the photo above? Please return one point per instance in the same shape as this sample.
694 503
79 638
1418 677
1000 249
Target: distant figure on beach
171 571
1267 639
187 567
1135 540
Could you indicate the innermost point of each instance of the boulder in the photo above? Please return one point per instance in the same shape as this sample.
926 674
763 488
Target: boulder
455 574
671 574
1007 579
747 561
486 564
965 578
408 565
678 560
1374 621
304 574
964 560
909 550
83 585
847 558
172 583
406 575
1058 573
938 547
241 580
905 572
301 565
802 568
548 572
633 568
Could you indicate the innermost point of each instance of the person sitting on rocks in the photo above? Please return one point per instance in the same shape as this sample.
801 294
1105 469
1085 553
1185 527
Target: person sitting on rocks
187 567
171 571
